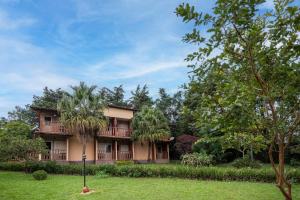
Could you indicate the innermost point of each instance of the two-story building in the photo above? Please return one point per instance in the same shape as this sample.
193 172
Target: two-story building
109 145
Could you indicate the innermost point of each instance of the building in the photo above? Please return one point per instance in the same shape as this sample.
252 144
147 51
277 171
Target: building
109 145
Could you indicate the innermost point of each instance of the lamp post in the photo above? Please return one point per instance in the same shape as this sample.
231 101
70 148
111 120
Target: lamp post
85 188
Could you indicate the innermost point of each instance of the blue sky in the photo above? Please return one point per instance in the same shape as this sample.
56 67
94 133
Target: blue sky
107 43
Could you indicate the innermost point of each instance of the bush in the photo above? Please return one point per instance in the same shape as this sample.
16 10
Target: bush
40 175
174 171
294 162
124 162
246 162
197 159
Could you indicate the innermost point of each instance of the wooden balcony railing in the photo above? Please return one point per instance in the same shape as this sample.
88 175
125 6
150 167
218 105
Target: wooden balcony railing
54 127
162 155
105 156
56 154
124 155
115 132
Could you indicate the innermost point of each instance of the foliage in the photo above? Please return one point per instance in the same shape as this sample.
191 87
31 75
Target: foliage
140 97
18 148
82 112
150 125
171 106
294 162
211 146
25 115
124 162
245 72
246 162
16 144
49 99
40 175
16 129
197 159
115 96
244 142
147 170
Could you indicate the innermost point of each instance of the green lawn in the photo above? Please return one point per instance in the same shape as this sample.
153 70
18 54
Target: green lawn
15 185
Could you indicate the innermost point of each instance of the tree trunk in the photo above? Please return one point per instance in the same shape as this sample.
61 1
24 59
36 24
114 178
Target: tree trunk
149 151
251 152
284 186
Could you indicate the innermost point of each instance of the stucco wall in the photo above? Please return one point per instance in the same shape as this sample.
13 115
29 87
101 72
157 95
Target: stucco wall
140 151
119 113
75 150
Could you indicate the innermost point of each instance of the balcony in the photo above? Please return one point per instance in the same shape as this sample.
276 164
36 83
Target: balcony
57 154
116 132
53 127
111 156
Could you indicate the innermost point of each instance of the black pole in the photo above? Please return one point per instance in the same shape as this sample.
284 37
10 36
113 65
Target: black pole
84 181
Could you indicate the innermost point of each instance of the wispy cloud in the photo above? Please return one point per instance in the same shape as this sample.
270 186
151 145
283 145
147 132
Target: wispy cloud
8 23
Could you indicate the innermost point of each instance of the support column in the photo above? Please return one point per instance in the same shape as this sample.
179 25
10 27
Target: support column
115 126
168 151
154 155
52 150
67 154
96 150
40 156
132 149
116 149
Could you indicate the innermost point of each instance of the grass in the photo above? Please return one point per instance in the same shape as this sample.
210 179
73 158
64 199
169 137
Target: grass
15 185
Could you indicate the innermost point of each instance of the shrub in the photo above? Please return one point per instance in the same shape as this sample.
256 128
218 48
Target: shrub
40 175
197 159
246 162
175 171
124 162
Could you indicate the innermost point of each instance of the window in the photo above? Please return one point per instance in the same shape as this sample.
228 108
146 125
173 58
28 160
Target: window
105 147
47 121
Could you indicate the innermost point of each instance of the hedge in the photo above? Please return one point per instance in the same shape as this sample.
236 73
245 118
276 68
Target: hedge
139 170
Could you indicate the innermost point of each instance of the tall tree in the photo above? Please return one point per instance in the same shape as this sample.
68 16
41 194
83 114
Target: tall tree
82 114
140 97
23 114
48 99
171 106
260 51
115 96
150 125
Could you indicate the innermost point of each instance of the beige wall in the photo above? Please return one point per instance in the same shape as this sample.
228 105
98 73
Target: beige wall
141 151
75 149
118 113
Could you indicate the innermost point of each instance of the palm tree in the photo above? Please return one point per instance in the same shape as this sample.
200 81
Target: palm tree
150 125
82 114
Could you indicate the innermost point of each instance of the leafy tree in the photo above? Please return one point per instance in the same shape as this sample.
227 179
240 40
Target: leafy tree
82 114
49 99
23 114
115 96
16 144
150 125
140 97
258 50
171 106
17 129
244 143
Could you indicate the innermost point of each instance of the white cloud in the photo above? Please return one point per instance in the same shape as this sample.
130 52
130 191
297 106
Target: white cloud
8 23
